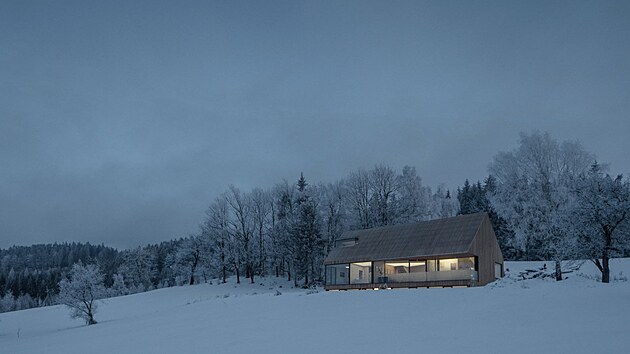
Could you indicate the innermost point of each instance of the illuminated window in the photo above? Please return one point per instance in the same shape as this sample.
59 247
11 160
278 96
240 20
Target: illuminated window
417 271
448 264
361 273
432 265
397 271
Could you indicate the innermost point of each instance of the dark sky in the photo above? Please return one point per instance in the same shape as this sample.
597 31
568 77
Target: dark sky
121 120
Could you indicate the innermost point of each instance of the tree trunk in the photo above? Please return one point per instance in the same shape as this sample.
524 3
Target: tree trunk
91 319
193 267
606 256
238 274
558 271
224 274
605 267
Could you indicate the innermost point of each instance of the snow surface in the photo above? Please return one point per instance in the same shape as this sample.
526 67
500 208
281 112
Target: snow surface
578 315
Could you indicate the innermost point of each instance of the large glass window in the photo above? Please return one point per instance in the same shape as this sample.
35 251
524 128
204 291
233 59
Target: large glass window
379 272
361 273
467 263
448 264
417 271
454 269
431 265
337 274
397 272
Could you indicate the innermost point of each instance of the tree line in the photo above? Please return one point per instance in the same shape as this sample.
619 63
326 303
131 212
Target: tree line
286 230
546 200
552 200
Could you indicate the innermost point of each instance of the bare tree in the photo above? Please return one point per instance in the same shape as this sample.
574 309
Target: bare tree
261 210
384 186
216 230
333 212
359 194
241 226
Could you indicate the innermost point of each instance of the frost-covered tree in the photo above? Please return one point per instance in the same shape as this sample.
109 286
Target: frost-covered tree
215 229
443 204
532 194
359 195
241 227
190 257
261 206
82 291
138 269
414 202
118 287
383 202
333 212
7 303
601 215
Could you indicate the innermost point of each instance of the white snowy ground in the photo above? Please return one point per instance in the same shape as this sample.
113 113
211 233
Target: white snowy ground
578 315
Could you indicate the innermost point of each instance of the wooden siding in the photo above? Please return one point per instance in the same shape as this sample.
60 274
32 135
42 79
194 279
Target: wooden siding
486 248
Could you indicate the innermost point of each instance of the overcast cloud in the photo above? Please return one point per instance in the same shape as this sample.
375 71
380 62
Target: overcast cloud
121 120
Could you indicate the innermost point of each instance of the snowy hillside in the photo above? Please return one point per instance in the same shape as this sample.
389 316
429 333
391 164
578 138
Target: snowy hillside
578 315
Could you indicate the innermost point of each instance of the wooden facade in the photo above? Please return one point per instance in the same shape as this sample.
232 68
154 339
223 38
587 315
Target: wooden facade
458 239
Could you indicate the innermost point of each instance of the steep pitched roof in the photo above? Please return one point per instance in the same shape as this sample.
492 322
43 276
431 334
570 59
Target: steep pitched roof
447 236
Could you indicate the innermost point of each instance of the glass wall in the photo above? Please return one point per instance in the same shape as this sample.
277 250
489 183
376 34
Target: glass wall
361 273
454 269
379 272
337 274
397 272
402 271
447 264
417 271
432 265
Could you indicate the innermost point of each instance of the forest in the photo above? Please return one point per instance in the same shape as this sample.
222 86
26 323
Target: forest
547 200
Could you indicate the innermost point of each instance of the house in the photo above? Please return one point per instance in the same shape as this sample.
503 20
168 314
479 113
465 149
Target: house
452 252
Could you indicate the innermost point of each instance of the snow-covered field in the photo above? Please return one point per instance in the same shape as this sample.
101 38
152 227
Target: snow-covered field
578 315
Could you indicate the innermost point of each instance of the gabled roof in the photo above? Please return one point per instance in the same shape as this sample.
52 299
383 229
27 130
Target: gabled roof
449 236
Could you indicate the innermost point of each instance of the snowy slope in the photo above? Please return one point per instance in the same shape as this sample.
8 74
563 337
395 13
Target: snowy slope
577 315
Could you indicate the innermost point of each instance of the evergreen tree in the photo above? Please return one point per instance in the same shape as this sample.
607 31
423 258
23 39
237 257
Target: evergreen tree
308 244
